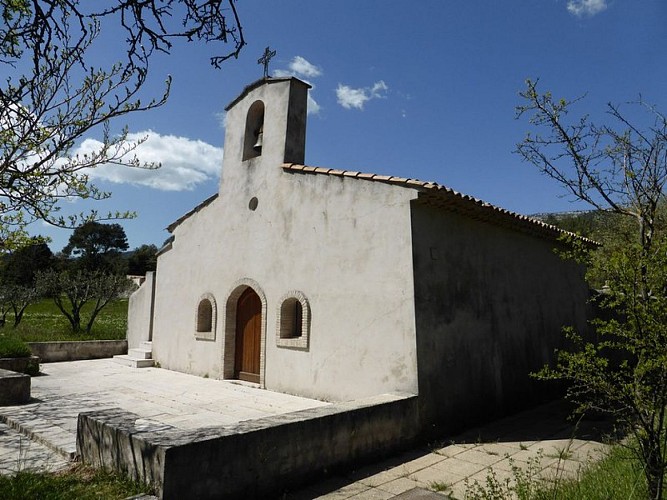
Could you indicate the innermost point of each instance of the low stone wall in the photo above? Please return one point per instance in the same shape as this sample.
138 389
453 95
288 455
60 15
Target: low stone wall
28 365
50 352
252 459
14 388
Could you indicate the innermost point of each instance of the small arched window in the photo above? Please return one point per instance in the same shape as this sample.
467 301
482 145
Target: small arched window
205 318
254 131
293 321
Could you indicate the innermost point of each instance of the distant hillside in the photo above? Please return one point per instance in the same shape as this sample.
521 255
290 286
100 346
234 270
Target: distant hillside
582 222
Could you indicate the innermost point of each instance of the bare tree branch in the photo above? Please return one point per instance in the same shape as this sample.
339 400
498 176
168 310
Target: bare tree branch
56 94
620 171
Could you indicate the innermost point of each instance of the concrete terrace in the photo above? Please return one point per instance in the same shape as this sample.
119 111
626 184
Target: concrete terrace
162 398
165 399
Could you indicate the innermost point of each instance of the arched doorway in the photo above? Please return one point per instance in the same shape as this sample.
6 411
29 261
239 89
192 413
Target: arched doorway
248 336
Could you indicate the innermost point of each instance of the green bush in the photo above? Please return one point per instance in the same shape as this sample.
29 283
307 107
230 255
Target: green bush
11 347
32 369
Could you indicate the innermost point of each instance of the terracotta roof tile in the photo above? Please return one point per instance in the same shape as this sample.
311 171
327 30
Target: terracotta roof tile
434 194
365 176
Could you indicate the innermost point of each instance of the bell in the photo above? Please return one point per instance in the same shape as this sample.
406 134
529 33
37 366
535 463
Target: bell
260 137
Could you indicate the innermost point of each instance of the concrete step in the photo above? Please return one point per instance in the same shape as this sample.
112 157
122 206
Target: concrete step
146 344
140 353
40 430
127 360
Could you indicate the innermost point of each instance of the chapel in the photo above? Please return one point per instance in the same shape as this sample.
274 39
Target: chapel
339 285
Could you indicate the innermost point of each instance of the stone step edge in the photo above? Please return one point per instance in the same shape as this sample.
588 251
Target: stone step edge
38 438
139 353
131 362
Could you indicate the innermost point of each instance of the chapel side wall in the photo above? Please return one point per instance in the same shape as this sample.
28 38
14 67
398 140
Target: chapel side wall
490 307
140 310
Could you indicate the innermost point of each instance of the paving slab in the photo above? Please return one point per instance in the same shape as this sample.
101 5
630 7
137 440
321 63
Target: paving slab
542 439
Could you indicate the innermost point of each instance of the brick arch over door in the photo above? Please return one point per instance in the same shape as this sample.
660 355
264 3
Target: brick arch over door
229 358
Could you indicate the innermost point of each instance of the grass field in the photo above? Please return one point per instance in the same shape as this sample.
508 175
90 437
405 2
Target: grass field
43 322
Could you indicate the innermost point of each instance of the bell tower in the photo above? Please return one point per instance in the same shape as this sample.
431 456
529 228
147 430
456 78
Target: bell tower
265 127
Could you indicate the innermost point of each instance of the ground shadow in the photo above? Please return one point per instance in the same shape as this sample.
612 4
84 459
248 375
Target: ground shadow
551 421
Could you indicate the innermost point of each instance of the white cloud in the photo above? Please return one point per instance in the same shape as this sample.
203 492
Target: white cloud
586 7
303 69
185 162
313 106
299 67
221 118
356 98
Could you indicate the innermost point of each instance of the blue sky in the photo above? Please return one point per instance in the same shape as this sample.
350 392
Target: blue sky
423 89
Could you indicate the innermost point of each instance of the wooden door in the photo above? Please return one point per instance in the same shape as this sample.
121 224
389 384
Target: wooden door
248 336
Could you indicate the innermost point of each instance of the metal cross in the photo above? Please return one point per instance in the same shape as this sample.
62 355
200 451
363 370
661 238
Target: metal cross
266 57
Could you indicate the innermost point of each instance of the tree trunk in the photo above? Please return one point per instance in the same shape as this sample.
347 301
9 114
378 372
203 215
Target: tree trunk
76 321
655 470
646 240
89 326
18 315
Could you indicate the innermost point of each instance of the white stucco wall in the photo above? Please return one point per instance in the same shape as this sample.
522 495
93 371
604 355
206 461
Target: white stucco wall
139 313
344 243
491 305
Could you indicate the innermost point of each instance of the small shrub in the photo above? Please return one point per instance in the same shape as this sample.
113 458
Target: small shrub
525 484
11 347
439 486
33 368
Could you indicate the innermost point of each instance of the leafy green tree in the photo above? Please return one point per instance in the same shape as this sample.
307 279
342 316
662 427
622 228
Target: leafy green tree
55 91
619 169
72 290
97 246
21 264
17 288
143 259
